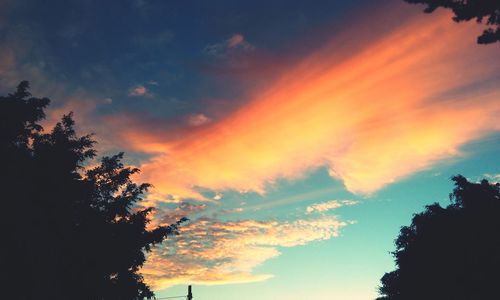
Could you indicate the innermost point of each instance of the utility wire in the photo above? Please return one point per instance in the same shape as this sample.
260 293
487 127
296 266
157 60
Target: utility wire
171 297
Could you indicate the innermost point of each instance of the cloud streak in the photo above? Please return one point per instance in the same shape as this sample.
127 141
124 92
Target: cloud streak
329 205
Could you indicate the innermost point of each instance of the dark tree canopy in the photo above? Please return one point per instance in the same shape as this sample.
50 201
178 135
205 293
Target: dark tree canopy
466 10
452 252
67 232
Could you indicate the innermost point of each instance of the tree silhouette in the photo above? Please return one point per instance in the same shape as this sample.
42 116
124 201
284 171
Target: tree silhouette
69 232
452 252
468 10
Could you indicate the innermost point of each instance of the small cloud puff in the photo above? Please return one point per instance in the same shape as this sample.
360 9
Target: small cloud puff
198 120
138 91
236 42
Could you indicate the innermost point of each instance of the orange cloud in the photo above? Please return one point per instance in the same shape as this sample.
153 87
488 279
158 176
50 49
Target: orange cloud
402 102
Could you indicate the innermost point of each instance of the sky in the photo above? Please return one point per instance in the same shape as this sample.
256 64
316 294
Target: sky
297 137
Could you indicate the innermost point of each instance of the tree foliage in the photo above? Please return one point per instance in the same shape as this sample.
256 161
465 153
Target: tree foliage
466 10
452 252
69 232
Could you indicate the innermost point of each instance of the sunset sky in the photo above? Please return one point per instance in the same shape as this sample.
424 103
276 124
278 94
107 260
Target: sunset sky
297 136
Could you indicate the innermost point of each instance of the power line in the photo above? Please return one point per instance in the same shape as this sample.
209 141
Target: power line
170 297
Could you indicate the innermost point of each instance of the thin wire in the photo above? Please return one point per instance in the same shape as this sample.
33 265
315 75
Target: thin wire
171 297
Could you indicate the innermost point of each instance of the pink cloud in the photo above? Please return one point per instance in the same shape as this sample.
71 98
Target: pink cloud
235 40
138 91
198 120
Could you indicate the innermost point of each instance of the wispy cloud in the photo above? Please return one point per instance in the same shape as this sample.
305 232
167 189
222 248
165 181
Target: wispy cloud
236 42
329 205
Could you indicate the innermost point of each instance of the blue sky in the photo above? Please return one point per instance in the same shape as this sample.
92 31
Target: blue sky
297 137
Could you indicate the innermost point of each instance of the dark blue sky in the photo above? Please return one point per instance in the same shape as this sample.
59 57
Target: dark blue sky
108 47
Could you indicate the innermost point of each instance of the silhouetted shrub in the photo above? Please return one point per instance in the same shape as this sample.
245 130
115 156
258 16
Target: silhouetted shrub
452 252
